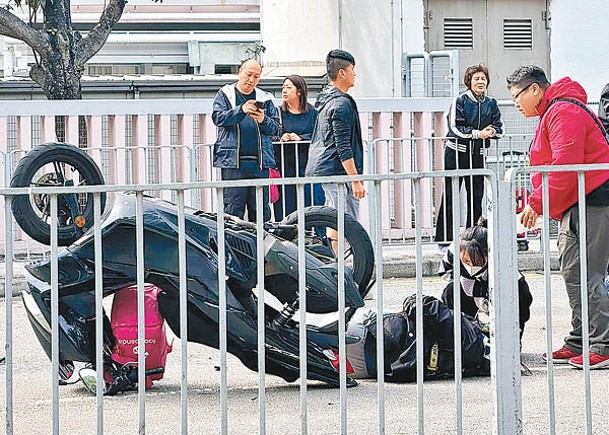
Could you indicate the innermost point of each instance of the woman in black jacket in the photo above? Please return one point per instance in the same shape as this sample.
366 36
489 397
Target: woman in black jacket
473 262
474 118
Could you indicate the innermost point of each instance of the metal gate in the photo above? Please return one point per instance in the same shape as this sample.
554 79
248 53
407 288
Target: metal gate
502 34
433 74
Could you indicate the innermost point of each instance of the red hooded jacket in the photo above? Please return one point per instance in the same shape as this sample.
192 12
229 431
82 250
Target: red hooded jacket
566 135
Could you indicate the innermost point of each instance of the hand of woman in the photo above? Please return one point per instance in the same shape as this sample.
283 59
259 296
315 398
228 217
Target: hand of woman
285 137
487 132
294 137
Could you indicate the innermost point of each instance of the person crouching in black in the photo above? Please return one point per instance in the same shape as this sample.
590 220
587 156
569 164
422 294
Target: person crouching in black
474 277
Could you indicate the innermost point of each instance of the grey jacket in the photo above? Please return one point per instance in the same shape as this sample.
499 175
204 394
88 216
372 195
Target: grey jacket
227 115
337 135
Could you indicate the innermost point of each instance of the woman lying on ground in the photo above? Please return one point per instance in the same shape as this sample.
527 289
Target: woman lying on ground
399 344
438 322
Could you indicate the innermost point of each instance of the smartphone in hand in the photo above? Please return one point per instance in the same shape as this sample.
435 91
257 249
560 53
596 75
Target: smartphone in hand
259 104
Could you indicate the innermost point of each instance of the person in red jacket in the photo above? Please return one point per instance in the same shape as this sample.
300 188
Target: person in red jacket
569 133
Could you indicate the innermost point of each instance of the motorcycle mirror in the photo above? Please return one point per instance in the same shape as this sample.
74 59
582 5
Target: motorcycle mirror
89 379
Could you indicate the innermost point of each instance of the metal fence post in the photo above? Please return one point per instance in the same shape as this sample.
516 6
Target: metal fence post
503 282
193 153
455 70
372 194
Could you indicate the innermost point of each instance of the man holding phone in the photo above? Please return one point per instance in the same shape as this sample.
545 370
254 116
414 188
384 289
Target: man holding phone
246 119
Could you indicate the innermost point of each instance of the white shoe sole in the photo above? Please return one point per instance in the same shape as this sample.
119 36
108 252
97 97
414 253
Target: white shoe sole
562 361
600 365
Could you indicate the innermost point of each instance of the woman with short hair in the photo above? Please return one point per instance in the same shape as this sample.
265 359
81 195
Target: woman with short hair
474 118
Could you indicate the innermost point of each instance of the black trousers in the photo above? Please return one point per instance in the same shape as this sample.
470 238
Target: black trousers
239 199
474 186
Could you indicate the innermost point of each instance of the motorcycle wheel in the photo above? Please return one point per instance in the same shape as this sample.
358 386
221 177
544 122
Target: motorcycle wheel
55 164
359 255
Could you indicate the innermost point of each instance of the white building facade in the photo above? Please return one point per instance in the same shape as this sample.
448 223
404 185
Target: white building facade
578 43
213 36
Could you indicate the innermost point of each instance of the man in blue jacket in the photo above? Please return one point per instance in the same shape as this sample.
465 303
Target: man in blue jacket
336 146
246 119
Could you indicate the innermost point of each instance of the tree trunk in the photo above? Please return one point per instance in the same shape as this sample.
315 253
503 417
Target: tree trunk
58 71
60 78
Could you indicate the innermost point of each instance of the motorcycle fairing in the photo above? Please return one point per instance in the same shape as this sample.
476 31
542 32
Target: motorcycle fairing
76 323
321 279
281 344
77 278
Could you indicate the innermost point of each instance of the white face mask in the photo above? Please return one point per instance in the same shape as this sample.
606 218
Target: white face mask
472 270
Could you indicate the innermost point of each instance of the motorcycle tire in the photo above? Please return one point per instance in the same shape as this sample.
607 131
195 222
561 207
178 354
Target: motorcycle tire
60 155
355 235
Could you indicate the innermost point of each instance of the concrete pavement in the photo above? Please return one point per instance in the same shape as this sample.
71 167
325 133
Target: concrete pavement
32 389
400 261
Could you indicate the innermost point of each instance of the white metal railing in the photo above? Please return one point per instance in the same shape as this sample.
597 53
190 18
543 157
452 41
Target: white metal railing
104 419
590 283
512 411
178 163
159 141
114 126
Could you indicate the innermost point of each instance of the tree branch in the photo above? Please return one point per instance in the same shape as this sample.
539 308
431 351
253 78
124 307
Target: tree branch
38 75
97 37
14 27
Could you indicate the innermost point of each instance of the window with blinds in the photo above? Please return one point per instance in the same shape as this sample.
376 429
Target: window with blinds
517 34
458 33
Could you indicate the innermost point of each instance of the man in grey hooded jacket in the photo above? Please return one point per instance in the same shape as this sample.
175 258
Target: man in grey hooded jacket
336 146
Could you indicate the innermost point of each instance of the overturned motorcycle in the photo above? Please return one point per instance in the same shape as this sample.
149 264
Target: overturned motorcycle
64 165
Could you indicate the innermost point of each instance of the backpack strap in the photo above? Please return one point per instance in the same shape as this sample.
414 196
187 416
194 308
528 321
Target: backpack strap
588 111
280 118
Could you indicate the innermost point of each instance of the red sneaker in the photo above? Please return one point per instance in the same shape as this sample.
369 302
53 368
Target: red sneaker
562 355
596 361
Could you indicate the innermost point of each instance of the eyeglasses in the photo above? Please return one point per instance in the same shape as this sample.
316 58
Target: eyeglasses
515 97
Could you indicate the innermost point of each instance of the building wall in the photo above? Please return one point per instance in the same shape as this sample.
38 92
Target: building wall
578 43
298 30
376 32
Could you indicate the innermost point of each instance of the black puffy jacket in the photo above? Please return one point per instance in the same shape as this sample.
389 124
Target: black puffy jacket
337 135
438 343
468 115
